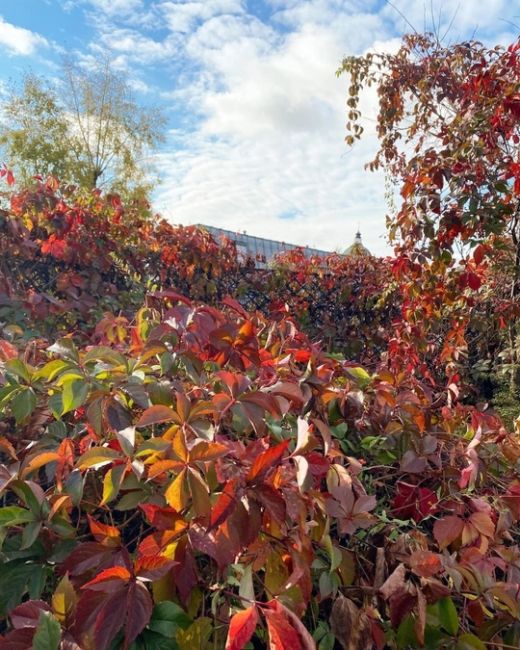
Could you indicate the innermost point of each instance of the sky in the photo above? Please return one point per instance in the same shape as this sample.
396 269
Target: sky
256 114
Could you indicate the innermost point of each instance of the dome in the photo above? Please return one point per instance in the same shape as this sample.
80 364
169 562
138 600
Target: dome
357 249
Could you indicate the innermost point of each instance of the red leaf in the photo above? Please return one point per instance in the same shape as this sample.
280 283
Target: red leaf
413 502
157 414
281 633
235 306
110 619
138 611
241 628
224 506
266 461
161 517
27 614
447 530
153 567
306 640
478 254
7 350
18 639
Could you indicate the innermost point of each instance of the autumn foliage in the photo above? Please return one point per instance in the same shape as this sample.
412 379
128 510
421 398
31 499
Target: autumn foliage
184 465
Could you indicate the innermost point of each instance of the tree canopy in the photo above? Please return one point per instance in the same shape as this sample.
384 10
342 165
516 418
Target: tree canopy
87 129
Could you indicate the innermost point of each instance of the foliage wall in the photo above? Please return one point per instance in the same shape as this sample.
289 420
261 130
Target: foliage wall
69 257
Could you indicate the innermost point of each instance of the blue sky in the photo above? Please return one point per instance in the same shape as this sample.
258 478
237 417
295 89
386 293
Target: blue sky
255 112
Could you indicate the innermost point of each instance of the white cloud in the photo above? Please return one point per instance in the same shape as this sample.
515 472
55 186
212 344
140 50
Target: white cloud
137 47
182 15
18 40
271 140
121 8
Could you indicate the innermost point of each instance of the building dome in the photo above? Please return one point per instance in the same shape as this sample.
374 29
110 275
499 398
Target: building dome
357 249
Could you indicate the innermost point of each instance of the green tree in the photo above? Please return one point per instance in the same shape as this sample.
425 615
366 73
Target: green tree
87 129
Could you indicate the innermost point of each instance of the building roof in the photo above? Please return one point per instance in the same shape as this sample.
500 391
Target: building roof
263 250
259 248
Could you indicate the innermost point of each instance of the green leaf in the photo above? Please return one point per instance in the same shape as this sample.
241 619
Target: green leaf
448 617
16 578
74 486
149 640
167 618
406 637
469 642
51 369
18 368
74 394
14 515
48 633
30 534
31 494
56 405
327 642
6 393
23 404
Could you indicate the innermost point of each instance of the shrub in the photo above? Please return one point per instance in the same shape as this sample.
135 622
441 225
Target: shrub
207 476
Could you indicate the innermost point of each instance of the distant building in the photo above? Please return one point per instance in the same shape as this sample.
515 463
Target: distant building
262 250
258 248
357 249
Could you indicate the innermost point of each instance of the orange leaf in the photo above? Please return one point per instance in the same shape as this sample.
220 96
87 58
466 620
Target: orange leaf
6 446
425 563
483 523
107 535
207 451
241 628
100 582
267 460
39 461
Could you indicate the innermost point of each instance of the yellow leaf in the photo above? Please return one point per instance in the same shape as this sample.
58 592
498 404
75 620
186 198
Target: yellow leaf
196 636
112 483
64 600
177 494
163 589
276 573
179 445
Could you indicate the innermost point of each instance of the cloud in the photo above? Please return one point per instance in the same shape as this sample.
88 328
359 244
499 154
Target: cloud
270 141
136 46
18 40
182 16
121 8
